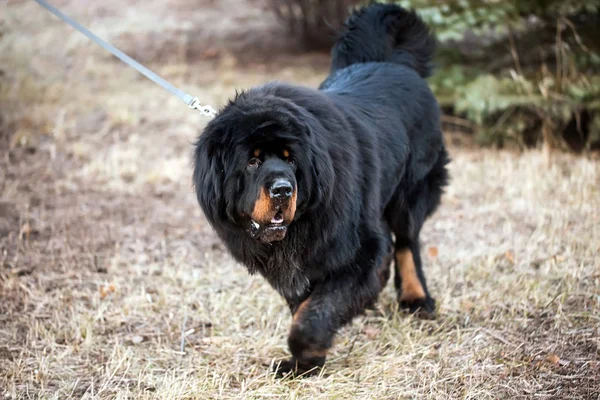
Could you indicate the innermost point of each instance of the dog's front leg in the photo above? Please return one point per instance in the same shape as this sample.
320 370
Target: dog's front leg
316 320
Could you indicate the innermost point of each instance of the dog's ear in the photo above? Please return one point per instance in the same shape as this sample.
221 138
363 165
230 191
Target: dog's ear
208 178
321 169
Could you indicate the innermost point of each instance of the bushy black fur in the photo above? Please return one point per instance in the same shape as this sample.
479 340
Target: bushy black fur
408 41
369 160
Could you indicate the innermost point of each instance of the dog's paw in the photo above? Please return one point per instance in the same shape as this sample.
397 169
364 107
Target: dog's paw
422 308
292 368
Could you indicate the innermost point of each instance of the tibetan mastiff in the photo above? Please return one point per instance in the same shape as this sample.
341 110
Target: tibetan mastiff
319 190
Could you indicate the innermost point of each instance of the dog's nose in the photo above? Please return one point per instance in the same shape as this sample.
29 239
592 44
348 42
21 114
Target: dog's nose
281 189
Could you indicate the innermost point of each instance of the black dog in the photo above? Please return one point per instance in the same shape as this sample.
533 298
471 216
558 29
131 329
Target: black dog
307 186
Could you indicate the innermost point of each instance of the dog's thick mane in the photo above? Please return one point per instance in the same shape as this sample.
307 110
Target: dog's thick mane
321 220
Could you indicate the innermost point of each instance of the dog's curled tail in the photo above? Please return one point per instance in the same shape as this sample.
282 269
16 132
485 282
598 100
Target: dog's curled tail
385 33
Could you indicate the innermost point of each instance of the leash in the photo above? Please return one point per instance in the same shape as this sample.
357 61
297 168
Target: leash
192 102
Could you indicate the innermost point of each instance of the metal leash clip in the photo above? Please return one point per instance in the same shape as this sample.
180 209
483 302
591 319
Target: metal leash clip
206 110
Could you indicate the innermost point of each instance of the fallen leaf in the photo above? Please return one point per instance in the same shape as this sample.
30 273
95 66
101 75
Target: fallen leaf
25 231
372 333
433 252
211 52
467 305
553 358
510 257
105 290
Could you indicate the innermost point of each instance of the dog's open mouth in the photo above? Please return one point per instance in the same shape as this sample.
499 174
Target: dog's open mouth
278 218
275 230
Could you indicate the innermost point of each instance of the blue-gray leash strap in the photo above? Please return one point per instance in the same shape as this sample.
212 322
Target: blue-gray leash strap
191 101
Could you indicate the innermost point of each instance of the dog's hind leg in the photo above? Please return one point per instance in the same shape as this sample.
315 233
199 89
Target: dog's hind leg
406 215
406 220
409 278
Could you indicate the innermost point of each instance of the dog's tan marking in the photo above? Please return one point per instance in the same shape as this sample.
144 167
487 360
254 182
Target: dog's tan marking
262 207
300 310
314 353
411 286
286 153
311 351
290 209
257 152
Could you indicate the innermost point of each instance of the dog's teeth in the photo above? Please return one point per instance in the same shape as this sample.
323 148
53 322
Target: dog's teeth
255 225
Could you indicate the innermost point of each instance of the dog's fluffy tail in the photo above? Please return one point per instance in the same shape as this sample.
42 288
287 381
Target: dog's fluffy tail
385 33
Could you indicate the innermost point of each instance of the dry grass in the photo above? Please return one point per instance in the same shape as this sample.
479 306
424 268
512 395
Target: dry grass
113 286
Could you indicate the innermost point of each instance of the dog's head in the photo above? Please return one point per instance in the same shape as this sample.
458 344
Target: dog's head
258 167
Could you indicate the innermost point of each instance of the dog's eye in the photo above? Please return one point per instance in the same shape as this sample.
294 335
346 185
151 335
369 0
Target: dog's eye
287 157
253 163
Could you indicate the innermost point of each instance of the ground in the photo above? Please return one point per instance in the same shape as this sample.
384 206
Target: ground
112 285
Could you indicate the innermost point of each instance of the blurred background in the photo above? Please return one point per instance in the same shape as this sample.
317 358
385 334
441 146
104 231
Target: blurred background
520 73
112 284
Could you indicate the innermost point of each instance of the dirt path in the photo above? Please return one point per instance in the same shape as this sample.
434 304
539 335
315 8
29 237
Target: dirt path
106 261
